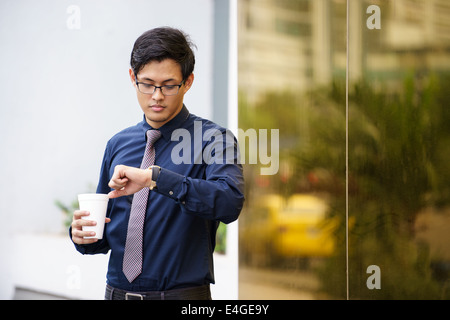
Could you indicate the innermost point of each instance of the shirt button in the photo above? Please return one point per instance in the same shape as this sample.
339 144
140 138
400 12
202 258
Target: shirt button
171 192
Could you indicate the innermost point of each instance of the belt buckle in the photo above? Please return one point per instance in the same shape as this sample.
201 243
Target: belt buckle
129 295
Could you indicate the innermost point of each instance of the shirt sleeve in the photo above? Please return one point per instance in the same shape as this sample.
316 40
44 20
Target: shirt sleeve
219 194
102 245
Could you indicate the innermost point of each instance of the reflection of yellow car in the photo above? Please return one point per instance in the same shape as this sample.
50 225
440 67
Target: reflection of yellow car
276 228
301 228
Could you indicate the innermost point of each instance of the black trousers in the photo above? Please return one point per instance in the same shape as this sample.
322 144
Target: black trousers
193 293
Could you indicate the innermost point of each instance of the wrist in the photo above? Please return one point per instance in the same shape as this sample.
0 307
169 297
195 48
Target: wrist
154 173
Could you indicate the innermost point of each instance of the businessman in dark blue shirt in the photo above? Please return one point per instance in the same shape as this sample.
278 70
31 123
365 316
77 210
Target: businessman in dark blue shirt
195 183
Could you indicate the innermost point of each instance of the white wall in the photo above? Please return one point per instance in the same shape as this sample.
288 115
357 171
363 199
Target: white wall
64 93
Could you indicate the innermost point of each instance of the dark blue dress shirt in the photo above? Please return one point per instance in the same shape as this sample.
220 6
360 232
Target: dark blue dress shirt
200 184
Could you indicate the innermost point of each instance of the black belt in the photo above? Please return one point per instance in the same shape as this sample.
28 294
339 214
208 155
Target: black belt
193 293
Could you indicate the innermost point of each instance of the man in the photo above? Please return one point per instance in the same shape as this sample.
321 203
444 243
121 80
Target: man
195 182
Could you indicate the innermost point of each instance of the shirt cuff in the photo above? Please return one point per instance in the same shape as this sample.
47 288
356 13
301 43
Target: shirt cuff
171 184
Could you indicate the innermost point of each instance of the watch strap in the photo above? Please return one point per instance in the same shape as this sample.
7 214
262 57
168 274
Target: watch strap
155 173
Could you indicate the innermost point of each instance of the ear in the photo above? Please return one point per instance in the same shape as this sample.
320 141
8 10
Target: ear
132 77
188 83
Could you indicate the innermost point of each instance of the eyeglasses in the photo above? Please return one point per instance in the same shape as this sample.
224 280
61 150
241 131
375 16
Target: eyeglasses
168 90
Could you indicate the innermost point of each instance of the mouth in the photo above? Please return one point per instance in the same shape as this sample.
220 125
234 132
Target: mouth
157 108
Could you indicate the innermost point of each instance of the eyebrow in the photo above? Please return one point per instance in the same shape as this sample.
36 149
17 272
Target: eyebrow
151 80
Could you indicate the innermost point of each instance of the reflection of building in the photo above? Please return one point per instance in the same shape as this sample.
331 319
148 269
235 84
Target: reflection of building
414 35
419 24
284 45
299 44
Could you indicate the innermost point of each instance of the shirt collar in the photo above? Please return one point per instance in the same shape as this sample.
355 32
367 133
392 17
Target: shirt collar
169 127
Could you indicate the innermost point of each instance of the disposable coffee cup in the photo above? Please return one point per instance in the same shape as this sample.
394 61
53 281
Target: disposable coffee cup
96 204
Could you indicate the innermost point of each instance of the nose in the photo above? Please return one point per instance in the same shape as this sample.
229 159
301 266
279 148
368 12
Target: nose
158 95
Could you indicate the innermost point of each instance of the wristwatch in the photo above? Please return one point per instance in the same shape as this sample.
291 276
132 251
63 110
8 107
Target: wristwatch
155 174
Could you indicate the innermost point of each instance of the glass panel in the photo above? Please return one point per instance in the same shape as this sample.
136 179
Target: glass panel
399 168
292 66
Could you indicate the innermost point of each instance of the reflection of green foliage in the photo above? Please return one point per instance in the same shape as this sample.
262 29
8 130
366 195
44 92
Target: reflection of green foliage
221 239
283 111
398 164
275 111
394 171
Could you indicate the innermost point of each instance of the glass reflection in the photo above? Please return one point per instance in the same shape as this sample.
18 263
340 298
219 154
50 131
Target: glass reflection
292 59
292 68
398 159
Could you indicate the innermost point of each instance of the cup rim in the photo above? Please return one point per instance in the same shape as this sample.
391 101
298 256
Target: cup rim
93 196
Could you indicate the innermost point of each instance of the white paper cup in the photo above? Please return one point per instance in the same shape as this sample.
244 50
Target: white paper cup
96 204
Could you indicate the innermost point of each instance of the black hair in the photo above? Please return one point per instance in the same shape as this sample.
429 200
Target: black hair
163 43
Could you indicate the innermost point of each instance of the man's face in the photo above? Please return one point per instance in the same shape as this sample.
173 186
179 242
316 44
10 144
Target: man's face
160 109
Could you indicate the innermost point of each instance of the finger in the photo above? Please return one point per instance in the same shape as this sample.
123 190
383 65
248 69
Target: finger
118 183
79 233
117 193
79 240
107 220
118 174
78 237
78 214
89 241
78 224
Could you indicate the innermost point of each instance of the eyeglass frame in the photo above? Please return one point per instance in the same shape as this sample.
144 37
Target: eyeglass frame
161 88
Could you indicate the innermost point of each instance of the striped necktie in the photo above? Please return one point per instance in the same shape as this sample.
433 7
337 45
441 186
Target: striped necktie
132 257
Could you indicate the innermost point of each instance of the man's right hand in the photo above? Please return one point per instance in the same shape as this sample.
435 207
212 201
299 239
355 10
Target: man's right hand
128 180
77 228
